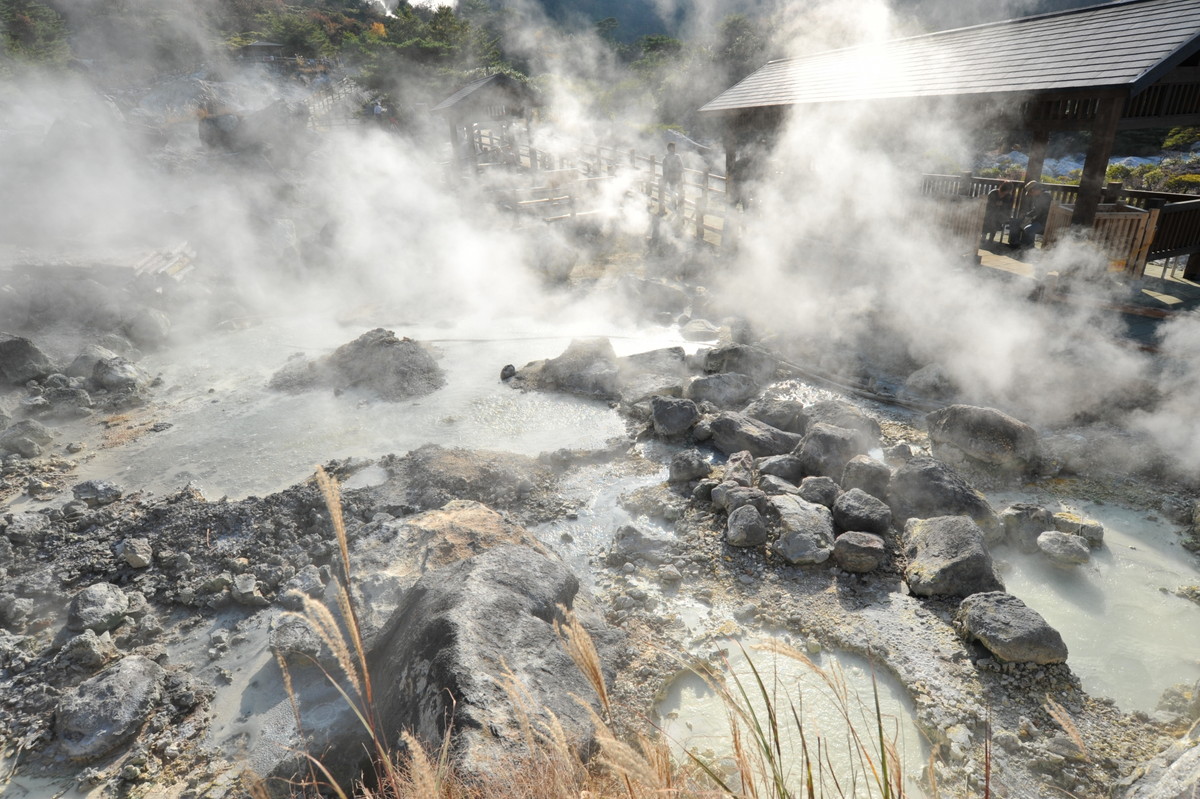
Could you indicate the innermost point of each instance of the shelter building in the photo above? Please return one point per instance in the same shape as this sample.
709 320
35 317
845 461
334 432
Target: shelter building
1101 69
497 98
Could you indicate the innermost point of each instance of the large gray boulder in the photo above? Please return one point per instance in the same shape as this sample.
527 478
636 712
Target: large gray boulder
21 360
673 417
947 557
785 467
395 369
746 527
805 530
858 552
820 490
965 433
25 438
725 390
118 374
1010 629
787 415
459 633
106 711
839 413
688 464
925 487
732 432
633 543
868 474
99 607
757 364
825 450
857 510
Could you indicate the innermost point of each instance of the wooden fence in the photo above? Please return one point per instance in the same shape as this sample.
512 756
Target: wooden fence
566 182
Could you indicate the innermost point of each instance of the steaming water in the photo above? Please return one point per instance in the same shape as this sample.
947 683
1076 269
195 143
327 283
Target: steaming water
233 437
1128 635
695 718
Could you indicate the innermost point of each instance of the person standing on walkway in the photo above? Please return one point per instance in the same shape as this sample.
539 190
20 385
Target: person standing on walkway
672 167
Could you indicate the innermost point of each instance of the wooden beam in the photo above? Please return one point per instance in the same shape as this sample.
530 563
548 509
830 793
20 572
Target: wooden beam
1095 163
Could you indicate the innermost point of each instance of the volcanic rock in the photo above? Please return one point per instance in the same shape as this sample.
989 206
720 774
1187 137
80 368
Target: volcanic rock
785 467
25 438
740 468
1010 629
746 527
947 557
806 530
930 381
925 487
97 493
107 710
98 607
859 552
786 415
1064 549
967 433
825 450
633 543
868 474
838 413
859 511
729 496
377 362
462 632
85 362
688 464
1022 523
821 490
1073 523
725 390
673 417
756 364
26 527
732 432
136 552
21 360
118 374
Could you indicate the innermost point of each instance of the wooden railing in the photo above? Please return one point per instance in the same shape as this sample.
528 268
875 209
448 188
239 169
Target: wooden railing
1177 232
703 200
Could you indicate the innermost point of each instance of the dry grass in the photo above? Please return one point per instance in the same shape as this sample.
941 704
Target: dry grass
552 766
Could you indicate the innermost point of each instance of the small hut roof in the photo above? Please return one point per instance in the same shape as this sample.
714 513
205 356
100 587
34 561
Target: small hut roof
486 90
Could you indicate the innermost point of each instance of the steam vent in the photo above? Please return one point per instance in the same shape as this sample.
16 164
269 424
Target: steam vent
544 400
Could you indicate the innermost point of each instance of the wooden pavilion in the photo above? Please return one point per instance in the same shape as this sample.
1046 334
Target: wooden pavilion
498 97
1104 68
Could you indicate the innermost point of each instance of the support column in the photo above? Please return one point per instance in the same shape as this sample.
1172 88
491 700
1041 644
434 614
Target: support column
1095 163
731 177
1037 155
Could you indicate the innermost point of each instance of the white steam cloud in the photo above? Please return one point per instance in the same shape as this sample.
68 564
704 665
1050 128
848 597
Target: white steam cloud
836 259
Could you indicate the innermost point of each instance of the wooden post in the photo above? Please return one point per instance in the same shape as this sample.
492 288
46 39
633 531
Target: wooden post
1037 155
731 179
1191 270
1112 192
702 207
966 182
1095 163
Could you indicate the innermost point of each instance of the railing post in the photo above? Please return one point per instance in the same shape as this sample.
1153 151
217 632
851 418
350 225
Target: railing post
656 185
965 183
1111 192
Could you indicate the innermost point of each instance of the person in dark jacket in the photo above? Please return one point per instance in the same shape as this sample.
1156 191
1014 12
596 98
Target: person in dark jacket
1035 209
999 212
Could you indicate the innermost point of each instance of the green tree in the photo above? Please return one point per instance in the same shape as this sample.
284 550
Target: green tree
31 33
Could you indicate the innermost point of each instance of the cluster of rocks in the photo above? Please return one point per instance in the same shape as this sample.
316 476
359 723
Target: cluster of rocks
97 379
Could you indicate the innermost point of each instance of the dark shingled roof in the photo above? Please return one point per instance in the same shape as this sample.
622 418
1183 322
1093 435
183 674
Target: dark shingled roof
498 82
1127 45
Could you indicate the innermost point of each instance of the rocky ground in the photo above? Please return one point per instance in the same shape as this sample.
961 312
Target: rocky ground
141 637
